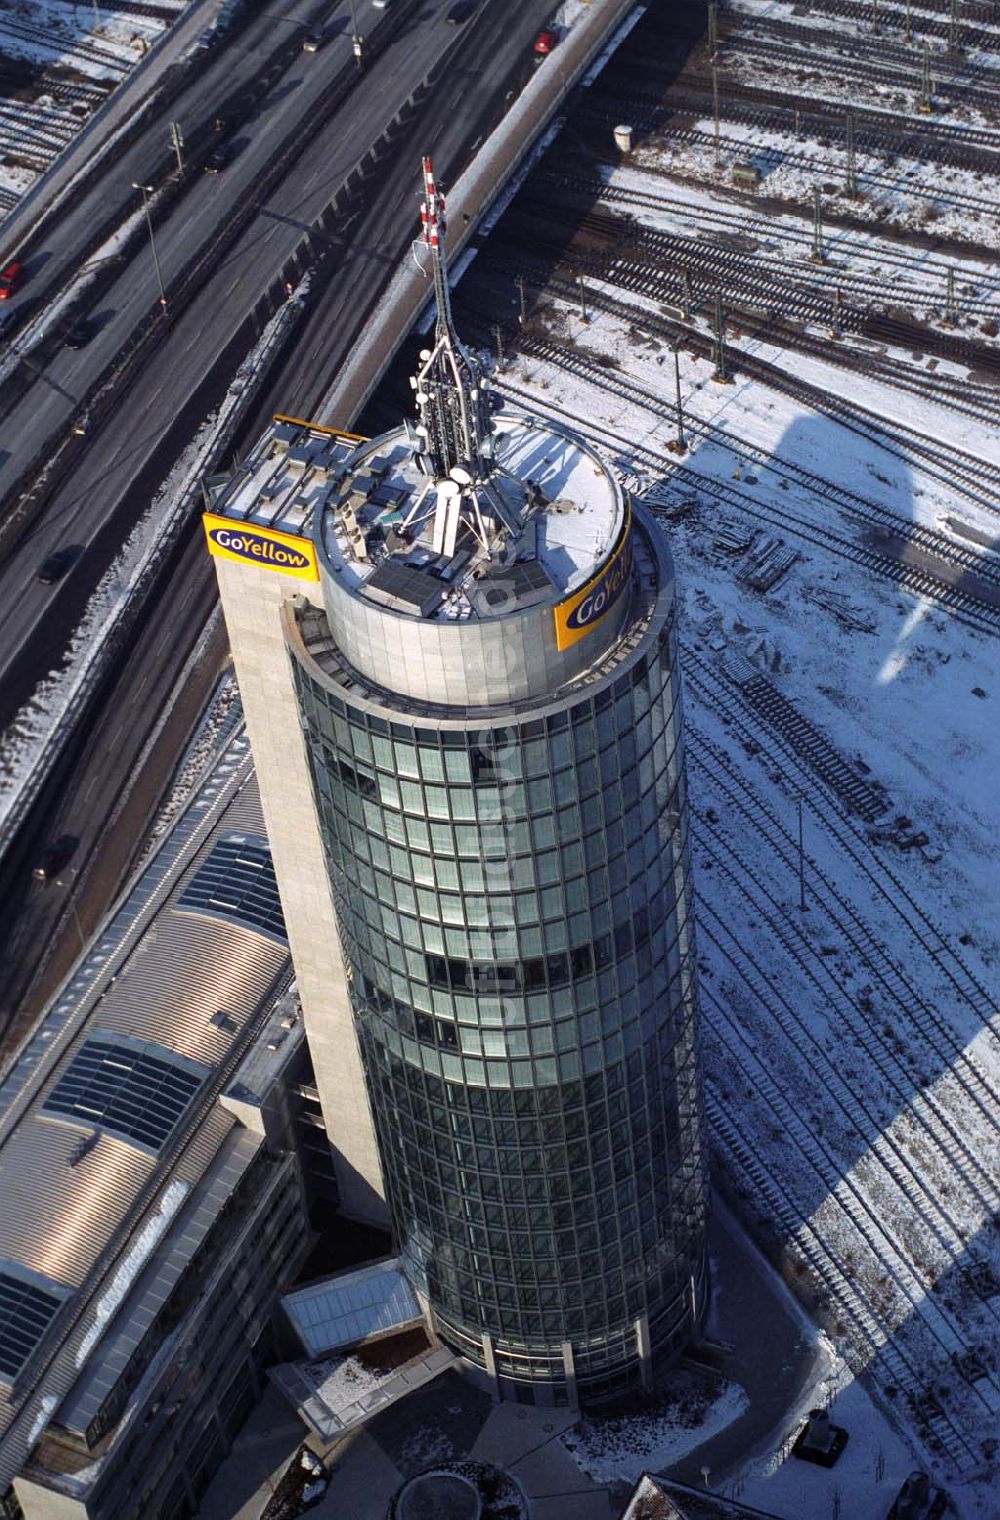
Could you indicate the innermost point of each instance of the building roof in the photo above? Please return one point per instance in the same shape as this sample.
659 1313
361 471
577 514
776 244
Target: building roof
351 1306
657 1498
553 509
115 1134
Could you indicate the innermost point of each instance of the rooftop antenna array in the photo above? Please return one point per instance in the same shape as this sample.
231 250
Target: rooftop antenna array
454 433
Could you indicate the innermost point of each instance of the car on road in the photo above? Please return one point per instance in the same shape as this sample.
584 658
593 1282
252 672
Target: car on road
55 566
56 855
220 158
10 279
545 42
80 334
312 42
462 10
208 39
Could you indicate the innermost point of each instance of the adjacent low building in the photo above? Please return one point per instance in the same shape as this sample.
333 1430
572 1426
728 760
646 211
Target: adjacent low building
153 1203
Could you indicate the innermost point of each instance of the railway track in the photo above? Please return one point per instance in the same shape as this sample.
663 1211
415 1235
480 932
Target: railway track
977 25
684 482
867 1344
886 885
747 227
771 305
963 474
822 56
974 1099
765 155
63 45
957 560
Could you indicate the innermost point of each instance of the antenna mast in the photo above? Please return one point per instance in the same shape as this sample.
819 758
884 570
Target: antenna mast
452 395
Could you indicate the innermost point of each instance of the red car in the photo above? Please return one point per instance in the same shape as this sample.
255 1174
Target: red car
10 279
545 42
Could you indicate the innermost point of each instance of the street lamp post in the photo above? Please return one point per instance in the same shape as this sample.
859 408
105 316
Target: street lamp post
70 885
147 191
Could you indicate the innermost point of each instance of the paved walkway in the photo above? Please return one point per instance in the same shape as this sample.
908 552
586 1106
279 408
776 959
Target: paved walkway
775 1360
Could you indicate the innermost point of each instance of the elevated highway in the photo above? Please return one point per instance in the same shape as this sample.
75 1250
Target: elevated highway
357 249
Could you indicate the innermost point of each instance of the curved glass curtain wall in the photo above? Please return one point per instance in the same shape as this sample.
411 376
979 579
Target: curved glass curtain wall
515 908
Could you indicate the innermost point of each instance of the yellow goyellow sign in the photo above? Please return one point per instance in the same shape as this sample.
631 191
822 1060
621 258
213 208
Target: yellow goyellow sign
585 608
252 544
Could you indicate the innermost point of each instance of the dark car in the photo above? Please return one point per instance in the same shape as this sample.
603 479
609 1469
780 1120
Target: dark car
55 566
461 11
57 854
80 334
208 39
545 42
312 42
220 158
10 279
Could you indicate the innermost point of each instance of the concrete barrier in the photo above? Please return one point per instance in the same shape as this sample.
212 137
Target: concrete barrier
499 158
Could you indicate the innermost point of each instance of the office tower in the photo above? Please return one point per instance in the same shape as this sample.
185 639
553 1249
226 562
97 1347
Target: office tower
457 648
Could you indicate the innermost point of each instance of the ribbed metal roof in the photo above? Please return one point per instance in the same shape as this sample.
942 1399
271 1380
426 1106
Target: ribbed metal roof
109 1114
236 882
26 1311
138 1092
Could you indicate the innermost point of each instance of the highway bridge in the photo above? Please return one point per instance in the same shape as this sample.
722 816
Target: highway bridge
323 174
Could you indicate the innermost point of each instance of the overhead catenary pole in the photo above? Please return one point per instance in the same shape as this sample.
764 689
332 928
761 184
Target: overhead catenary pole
715 112
954 46
950 312
583 299
720 341
803 905
177 143
874 20
908 32
681 443
520 283
835 329
713 28
686 299
817 245
498 336
851 176
926 102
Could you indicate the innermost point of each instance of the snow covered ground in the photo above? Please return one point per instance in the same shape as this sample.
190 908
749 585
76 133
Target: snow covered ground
852 1048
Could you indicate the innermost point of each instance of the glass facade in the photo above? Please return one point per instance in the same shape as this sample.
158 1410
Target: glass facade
514 903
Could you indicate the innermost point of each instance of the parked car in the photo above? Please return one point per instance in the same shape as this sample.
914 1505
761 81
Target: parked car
312 42
545 42
80 334
54 567
208 39
56 855
10 279
461 11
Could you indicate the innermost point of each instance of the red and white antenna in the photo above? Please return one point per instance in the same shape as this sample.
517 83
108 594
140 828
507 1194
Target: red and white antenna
432 210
